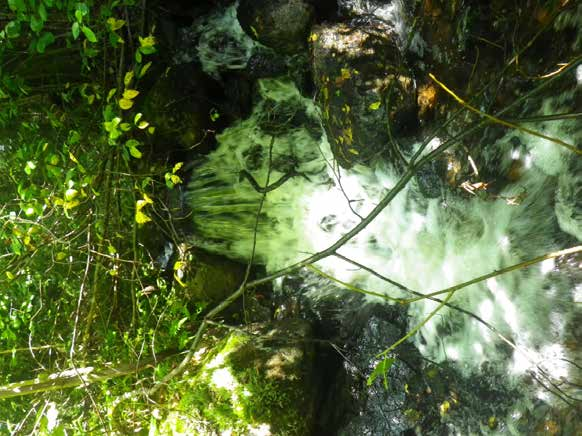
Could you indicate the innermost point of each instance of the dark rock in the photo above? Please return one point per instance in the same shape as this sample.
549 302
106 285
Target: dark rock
365 92
280 24
179 105
206 277
265 63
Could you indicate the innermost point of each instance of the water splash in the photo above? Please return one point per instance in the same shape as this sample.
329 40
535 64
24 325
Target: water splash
425 244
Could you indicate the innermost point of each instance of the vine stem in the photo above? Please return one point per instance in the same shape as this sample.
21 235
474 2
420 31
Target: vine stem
525 264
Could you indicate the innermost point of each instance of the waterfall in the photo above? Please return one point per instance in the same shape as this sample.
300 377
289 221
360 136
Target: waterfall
425 244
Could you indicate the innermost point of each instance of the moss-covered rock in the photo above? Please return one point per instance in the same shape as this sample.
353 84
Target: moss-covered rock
259 382
206 277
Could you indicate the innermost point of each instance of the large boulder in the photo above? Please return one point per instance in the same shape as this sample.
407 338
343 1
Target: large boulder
365 93
280 24
260 380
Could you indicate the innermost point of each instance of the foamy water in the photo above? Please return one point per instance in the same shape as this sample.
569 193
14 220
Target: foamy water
424 244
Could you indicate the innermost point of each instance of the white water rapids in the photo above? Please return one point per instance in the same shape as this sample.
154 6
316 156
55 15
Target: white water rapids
424 244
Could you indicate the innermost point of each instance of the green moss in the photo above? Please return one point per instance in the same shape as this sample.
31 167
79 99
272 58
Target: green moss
247 385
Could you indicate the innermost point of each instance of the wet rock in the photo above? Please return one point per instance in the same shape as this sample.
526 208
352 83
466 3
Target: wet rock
364 7
265 63
205 277
365 93
376 409
280 24
178 106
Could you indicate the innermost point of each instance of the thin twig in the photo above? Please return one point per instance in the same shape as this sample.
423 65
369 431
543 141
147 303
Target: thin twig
504 122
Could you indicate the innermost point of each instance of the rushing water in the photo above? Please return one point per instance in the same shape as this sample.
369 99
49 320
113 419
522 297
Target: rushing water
424 244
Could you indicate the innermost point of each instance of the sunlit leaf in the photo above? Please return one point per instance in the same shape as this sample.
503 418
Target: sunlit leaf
141 218
128 78
130 94
381 369
135 152
89 34
144 69
71 193
375 106
125 104
29 167
71 204
148 41
115 24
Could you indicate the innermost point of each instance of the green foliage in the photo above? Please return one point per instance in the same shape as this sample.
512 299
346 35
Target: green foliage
79 211
381 369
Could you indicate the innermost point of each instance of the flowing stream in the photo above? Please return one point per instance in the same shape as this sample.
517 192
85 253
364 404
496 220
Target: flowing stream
425 244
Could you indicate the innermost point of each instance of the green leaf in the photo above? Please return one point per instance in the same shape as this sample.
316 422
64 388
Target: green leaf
75 29
147 50
89 34
42 12
13 29
46 39
375 106
81 10
381 369
16 5
132 143
111 94
36 24
125 104
144 69
130 94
